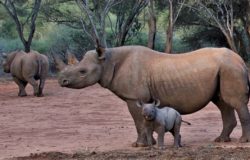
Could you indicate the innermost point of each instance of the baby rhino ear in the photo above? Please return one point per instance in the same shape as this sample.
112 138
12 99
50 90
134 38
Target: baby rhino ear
157 102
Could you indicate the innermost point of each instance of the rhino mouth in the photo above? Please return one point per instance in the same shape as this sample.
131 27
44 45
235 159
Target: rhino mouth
149 117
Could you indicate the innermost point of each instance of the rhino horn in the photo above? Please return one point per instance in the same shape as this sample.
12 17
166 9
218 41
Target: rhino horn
60 65
100 50
72 59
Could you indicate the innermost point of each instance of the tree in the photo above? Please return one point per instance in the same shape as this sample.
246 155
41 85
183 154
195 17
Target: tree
96 13
151 24
247 5
12 9
127 13
242 24
219 14
88 15
175 8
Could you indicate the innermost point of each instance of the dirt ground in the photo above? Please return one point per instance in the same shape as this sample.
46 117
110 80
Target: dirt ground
93 123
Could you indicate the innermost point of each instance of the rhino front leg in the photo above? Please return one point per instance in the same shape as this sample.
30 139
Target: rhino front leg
149 133
229 121
160 138
21 85
138 120
32 81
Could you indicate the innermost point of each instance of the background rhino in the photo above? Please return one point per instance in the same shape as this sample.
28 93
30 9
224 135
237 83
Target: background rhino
187 82
27 68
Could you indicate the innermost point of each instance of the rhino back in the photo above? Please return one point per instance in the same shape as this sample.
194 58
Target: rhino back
169 117
129 77
186 82
27 65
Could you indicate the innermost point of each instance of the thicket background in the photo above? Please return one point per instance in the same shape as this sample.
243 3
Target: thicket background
165 25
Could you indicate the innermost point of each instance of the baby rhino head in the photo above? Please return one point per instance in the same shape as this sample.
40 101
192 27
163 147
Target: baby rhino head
148 109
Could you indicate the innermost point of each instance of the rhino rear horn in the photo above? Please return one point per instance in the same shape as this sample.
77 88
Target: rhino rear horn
100 50
60 65
72 59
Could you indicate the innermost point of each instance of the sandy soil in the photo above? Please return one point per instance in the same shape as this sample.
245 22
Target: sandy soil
93 123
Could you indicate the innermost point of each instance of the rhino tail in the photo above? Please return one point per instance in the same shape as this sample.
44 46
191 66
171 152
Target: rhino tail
248 83
39 62
186 122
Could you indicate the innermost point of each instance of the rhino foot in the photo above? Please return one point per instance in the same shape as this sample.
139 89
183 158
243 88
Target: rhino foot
22 94
244 139
162 147
177 146
139 144
38 94
136 144
223 139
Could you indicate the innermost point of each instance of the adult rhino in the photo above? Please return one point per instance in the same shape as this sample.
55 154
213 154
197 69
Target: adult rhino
187 82
27 68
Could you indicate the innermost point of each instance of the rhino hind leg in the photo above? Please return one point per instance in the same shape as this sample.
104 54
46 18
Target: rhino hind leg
229 121
34 84
41 86
244 117
21 84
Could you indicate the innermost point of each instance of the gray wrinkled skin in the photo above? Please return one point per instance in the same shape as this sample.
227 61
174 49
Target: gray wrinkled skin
27 68
187 82
161 121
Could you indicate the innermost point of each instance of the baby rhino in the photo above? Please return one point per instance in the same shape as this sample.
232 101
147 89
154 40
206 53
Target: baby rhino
161 121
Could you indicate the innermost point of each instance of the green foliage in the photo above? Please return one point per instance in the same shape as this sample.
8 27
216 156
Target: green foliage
8 30
7 45
59 28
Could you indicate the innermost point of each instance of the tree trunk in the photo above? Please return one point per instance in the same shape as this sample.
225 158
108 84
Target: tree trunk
243 38
121 37
151 25
26 47
231 43
248 17
169 32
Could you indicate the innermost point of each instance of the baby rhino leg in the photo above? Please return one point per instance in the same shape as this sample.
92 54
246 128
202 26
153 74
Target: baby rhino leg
176 132
149 135
160 140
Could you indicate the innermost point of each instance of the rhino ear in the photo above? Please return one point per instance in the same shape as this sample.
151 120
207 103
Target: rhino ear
60 65
72 59
139 103
100 50
157 102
